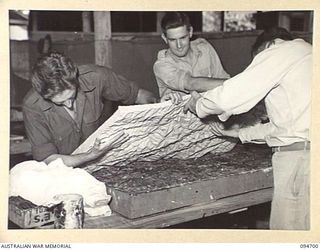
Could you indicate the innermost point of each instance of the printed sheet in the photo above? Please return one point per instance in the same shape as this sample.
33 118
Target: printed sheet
156 131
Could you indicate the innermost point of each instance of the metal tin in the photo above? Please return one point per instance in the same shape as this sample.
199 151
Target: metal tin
69 213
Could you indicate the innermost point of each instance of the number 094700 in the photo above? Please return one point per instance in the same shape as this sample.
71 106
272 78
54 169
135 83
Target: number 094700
308 245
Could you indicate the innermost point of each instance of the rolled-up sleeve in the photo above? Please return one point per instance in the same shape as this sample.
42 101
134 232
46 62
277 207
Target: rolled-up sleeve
169 76
243 91
38 134
256 134
115 87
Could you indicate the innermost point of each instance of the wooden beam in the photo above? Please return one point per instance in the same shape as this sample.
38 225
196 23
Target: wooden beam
102 35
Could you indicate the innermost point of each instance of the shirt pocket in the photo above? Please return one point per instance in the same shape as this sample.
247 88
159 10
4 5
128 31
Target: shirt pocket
91 118
66 138
62 133
92 110
91 123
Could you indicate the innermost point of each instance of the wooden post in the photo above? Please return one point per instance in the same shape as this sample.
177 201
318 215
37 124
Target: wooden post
159 18
86 27
284 20
34 21
309 23
102 37
222 24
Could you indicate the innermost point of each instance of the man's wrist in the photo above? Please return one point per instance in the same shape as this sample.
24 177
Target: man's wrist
234 133
89 156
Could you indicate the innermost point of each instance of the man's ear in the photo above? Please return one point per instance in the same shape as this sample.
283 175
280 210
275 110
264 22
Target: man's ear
262 47
190 31
269 43
164 38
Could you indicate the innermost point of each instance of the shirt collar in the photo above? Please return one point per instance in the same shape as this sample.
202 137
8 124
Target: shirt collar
46 105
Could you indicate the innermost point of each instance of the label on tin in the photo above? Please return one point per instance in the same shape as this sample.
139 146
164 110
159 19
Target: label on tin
69 212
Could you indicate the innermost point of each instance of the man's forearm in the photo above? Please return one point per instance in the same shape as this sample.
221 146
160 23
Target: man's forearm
256 133
71 160
202 84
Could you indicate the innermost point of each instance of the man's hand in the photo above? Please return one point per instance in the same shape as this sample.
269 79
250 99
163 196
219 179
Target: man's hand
175 97
219 130
191 104
102 146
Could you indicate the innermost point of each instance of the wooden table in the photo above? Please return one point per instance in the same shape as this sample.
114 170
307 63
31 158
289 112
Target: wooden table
173 217
251 183
236 180
181 215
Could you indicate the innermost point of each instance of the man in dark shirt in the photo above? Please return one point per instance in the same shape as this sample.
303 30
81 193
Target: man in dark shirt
66 105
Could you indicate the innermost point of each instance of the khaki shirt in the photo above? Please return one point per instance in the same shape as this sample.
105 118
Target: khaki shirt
51 129
170 71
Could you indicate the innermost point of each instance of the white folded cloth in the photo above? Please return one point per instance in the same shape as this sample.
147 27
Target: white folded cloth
39 183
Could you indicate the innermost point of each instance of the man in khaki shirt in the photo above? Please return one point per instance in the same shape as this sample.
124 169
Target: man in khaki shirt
186 65
66 105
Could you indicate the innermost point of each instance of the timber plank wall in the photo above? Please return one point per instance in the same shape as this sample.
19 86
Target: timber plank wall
132 56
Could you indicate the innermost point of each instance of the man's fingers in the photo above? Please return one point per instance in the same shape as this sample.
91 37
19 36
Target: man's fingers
175 97
195 95
164 98
97 143
217 128
186 107
175 100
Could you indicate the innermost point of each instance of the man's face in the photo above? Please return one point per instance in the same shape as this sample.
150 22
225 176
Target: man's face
178 40
65 98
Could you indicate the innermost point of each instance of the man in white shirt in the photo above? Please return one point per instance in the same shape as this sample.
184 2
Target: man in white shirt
280 72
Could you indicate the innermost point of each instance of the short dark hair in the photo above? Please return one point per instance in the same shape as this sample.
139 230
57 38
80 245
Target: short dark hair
54 73
174 19
269 35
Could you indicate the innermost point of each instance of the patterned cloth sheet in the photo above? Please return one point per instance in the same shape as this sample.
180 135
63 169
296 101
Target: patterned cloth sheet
156 131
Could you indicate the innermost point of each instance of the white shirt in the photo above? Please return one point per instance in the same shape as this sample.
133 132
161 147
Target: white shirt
282 73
